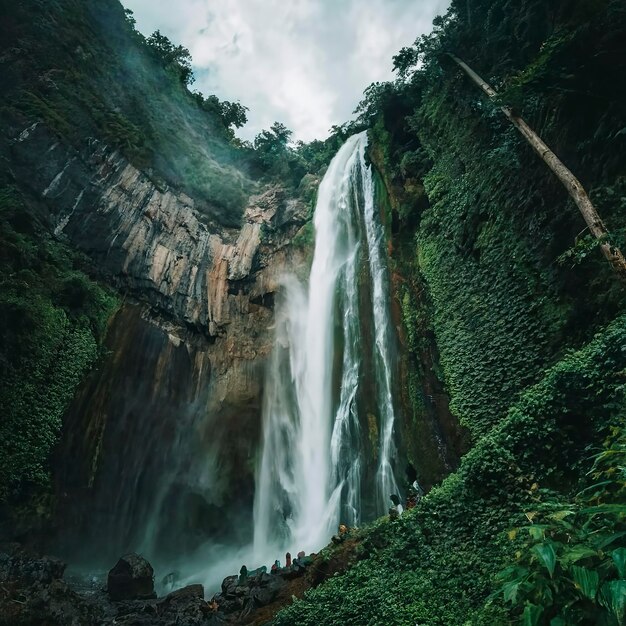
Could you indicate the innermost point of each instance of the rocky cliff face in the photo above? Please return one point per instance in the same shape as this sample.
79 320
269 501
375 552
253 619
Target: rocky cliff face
149 239
153 442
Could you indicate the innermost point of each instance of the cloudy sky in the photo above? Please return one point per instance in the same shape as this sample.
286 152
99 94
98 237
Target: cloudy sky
304 63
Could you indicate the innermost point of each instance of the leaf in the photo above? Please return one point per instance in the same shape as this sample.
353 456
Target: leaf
545 553
558 621
619 558
604 483
512 534
537 532
609 540
531 614
576 554
510 591
513 573
561 515
613 597
586 580
606 508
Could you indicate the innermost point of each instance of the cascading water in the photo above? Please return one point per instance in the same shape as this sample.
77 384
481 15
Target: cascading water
328 425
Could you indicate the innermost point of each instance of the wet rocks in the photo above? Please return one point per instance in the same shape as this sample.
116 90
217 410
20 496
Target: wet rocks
242 597
241 601
132 578
184 607
32 591
24 568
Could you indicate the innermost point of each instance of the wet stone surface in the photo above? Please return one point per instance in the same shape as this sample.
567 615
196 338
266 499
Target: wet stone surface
33 590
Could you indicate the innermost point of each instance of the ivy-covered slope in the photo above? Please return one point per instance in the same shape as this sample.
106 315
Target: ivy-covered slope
526 315
53 319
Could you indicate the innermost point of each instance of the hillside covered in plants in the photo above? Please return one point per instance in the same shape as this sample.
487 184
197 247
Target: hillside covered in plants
497 269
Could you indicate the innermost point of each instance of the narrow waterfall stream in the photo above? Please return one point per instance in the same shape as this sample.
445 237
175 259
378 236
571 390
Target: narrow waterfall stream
328 423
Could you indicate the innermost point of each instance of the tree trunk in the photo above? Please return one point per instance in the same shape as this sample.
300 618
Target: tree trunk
572 184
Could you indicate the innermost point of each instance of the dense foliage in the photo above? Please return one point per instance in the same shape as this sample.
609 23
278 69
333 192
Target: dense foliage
526 316
438 564
53 319
84 70
496 280
571 565
495 233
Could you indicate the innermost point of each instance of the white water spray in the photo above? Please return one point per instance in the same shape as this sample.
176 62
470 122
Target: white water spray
321 440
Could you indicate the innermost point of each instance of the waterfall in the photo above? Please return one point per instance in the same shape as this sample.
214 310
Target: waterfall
328 422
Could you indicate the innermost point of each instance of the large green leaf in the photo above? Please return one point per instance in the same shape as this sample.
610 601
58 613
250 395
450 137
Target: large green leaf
586 580
607 541
558 621
619 558
613 597
545 553
531 614
576 553
510 591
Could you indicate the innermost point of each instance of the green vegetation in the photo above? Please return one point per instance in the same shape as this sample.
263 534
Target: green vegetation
53 320
494 232
274 158
526 317
569 567
82 69
176 58
439 564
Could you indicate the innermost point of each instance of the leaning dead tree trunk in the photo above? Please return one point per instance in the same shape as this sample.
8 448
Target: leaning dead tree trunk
571 183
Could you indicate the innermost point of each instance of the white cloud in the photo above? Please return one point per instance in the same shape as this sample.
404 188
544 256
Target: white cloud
304 63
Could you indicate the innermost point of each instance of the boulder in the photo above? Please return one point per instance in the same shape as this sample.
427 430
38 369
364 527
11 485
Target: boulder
184 607
132 578
184 594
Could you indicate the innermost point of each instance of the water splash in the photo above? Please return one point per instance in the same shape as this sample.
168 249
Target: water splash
331 366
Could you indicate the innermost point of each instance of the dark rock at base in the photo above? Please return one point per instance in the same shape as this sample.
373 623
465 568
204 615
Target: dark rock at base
228 585
132 578
20 566
238 602
190 591
265 595
32 591
184 607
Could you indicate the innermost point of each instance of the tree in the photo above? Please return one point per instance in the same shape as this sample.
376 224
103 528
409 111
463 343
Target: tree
273 141
574 187
405 60
177 58
228 113
234 114
276 157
